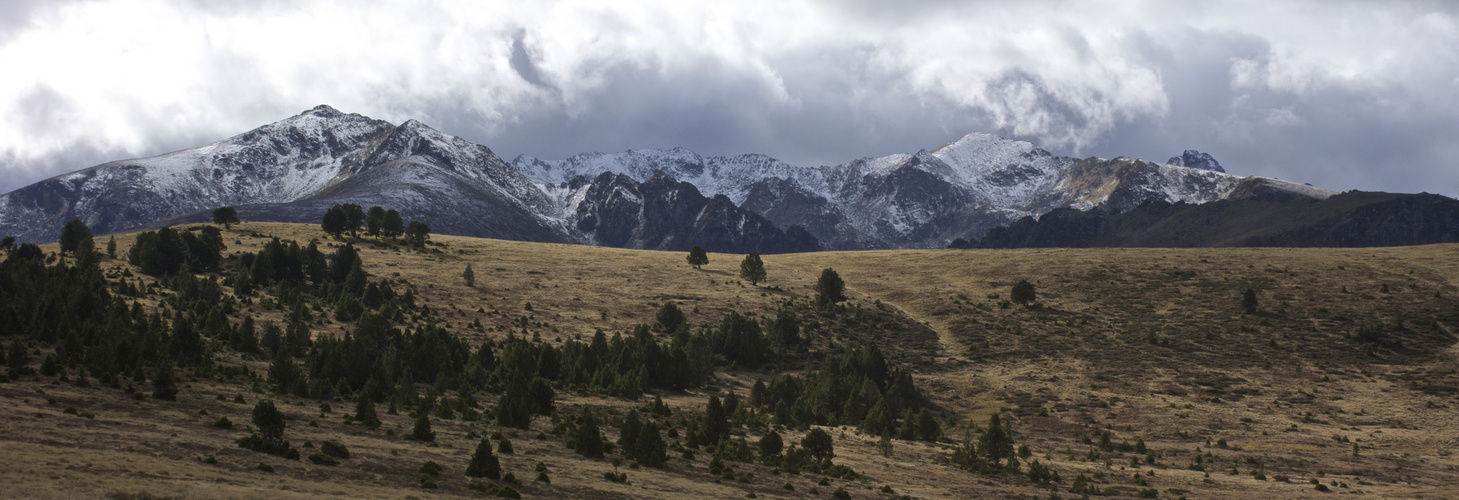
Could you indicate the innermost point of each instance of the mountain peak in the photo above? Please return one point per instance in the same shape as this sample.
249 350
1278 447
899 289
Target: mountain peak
1197 160
323 110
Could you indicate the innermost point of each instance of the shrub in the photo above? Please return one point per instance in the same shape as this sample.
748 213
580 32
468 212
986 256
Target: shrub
323 459
223 423
264 467
430 468
841 494
334 449
1023 293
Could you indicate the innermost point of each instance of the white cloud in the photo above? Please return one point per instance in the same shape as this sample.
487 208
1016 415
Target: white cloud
823 81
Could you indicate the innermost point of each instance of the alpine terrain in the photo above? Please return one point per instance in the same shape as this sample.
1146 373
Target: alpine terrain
294 169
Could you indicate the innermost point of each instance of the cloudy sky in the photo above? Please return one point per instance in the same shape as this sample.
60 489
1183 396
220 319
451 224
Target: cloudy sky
1361 95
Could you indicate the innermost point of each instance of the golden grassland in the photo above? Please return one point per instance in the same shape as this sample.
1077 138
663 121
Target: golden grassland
1147 344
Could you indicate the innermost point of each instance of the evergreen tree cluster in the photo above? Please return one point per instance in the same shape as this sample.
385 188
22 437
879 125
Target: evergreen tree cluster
993 451
166 251
856 387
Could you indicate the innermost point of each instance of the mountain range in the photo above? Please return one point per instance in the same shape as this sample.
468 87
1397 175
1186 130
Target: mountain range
294 169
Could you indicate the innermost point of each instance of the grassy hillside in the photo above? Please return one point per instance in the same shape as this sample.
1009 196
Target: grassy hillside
1346 347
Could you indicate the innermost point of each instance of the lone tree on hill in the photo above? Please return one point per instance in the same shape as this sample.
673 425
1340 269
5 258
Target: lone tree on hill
469 276
752 269
1023 293
72 234
417 234
830 289
226 216
1248 301
697 256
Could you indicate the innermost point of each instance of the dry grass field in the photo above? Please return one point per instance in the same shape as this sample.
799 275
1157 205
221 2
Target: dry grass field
1146 344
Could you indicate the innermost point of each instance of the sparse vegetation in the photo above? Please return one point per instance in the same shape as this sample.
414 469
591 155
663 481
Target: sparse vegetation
933 350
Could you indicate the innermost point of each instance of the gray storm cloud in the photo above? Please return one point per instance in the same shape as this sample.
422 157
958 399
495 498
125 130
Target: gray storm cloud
1342 95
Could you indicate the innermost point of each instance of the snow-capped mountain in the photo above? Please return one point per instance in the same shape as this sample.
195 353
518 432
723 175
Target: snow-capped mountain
924 199
294 169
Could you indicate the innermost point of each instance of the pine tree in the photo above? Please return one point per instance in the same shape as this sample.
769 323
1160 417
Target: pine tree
818 444
111 247
164 385
878 419
1023 293
417 233
670 318
72 234
771 444
374 221
393 225
587 439
354 216
335 222
996 443
226 216
628 434
365 411
284 376
484 463
752 269
927 428
716 422
830 289
469 276
697 256
1248 301
422 430
269 421
649 447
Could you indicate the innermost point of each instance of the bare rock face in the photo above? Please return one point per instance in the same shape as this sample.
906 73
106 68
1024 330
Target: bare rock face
1196 159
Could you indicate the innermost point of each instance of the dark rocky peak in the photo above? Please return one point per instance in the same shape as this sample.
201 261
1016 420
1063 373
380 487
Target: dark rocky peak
1196 159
